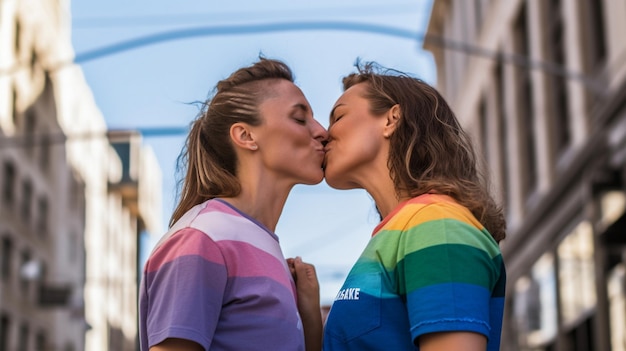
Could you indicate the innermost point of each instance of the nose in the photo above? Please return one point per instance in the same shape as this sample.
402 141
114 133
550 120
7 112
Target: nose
320 133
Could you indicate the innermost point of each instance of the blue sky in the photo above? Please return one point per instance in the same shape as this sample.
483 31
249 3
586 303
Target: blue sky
154 85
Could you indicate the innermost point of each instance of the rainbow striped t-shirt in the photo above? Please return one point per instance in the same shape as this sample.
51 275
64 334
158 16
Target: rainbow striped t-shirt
219 278
430 266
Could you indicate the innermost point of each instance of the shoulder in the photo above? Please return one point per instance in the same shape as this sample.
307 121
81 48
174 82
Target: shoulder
431 208
438 220
184 242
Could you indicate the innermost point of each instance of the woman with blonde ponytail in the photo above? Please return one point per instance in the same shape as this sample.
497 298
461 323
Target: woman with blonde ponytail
217 280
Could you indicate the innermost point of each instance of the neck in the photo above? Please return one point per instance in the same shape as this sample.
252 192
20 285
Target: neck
386 199
261 199
380 186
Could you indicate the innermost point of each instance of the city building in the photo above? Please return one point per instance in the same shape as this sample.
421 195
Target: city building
74 200
541 86
138 187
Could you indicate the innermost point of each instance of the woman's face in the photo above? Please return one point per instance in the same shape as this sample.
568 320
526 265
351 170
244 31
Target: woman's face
356 144
289 139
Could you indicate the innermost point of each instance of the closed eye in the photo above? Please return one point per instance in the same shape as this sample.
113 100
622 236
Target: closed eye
333 113
336 119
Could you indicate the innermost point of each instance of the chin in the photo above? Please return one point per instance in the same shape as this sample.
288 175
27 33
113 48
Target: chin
315 180
342 186
338 183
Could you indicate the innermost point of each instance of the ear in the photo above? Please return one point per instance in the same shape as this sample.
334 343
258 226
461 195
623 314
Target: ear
393 119
242 137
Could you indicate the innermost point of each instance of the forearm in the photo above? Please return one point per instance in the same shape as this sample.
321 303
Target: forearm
313 330
461 341
308 290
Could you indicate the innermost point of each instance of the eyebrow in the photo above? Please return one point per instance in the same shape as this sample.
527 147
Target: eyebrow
301 107
332 112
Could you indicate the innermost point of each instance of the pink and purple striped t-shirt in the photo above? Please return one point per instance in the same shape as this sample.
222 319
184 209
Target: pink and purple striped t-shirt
219 278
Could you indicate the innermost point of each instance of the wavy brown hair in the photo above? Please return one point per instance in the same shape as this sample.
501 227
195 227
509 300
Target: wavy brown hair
429 150
208 158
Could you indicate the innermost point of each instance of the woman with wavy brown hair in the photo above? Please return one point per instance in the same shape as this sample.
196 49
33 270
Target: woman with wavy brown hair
432 275
217 280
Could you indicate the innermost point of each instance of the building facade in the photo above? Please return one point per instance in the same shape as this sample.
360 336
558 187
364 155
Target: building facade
541 86
72 207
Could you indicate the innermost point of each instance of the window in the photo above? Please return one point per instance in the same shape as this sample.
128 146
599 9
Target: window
45 151
558 84
525 105
5 327
24 278
595 35
116 338
484 131
40 341
23 338
478 14
502 133
8 186
42 224
30 121
18 34
580 338
7 257
73 247
27 193
45 141
576 273
14 111
617 305
33 61
535 304
78 193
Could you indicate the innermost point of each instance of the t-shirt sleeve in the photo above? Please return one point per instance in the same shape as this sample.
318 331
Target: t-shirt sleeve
448 269
185 281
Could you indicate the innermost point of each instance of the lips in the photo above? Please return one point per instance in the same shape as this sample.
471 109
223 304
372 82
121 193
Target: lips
326 149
